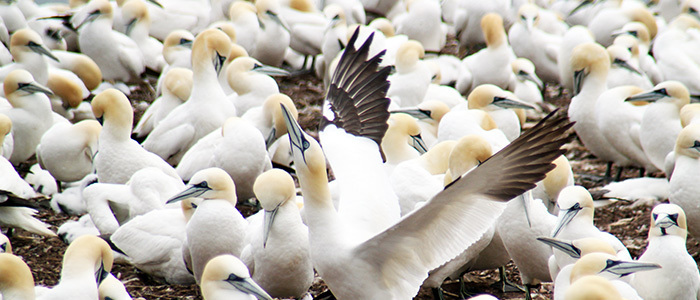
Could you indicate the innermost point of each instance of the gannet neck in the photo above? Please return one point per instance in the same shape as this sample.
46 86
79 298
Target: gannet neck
16 281
209 52
408 55
436 160
87 257
558 178
68 90
114 107
178 83
494 33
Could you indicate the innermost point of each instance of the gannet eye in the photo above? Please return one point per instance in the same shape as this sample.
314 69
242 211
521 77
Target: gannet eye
674 218
655 216
202 185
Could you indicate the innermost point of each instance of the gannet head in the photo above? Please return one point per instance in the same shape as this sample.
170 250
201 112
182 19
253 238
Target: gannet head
210 48
240 8
381 24
529 14
90 130
607 265
620 56
273 112
524 70
227 28
436 109
403 126
113 107
558 178
578 247
668 219
689 112
269 10
691 7
97 9
307 153
178 82
408 55
211 183
21 83
134 12
88 253
592 287
688 141
188 207
492 27
469 152
589 59
574 201
5 127
15 276
68 90
226 272
176 40
88 71
636 30
273 189
644 16
487 94
437 158
244 64
26 41
5 245
668 91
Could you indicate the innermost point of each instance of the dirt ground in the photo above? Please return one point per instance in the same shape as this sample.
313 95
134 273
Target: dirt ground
44 255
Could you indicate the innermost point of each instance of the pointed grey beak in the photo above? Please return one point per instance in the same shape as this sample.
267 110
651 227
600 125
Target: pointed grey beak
649 96
417 113
418 144
248 286
510 103
270 137
277 20
578 81
666 221
91 17
296 135
569 215
562 246
269 70
527 76
101 274
580 6
269 218
219 61
130 26
42 50
34 87
156 3
191 192
623 268
625 65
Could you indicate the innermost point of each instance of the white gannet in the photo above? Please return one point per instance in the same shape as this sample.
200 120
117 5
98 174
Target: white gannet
375 272
41 180
590 64
410 82
138 21
216 227
678 277
273 37
683 189
205 110
268 117
624 70
6 140
177 87
428 113
529 41
67 151
641 191
636 33
252 81
28 53
497 103
226 278
491 64
459 122
244 19
277 255
592 287
237 147
527 86
556 180
611 19
422 22
574 249
402 140
119 156
81 65
576 35
16 281
117 55
31 113
112 288
86 263
177 52
674 51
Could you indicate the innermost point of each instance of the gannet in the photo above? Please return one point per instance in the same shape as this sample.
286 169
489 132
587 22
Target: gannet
496 102
639 33
576 35
205 110
611 19
491 64
576 221
112 288
41 180
245 20
531 42
661 120
86 263
31 113
527 86
17 281
574 249
177 87
6 139
138 21
375 272
177 52
226 278
216 227
625 71
252 81
82 65
556 180
641 191
674 50
67 94
410 82
458 123
273 36
118 56
678 277
28 53
592 287
687 152
118 155
428 114
590 64
237 147
268 117
422 22
402 140
67 151
277 255
466 17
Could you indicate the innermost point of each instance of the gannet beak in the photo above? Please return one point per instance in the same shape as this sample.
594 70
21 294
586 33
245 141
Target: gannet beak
101 274
34 87
417 113
578 81
270 138
665 220
569 215
562 246
649 96
269 218
269 70
623 268
42 50
510 103
624 64
92 16
130 26
527 76
3 247
156 3
580 6
526 207
617 33
191 192
248 286
219 61
296 135
277 20
418 144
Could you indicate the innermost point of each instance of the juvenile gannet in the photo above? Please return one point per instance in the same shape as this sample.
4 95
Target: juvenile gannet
205 110
138 21
252 81
277 255
86 263
31 113
531 42
237 147
226 278
496 102
117 55
387 274
16 281
216 227
119 156
6 140
422 22
678 277
28 53
273 36
177 87
410 82
268 117
67 151
685 171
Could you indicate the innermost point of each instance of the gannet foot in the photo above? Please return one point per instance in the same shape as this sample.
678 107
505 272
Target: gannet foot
504 285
